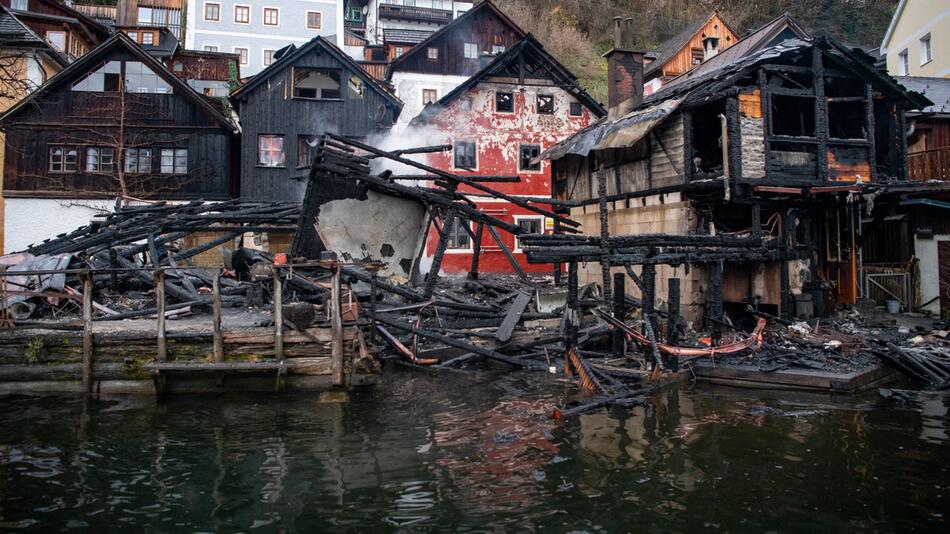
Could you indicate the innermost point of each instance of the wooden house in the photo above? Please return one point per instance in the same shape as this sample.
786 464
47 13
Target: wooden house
115 123
306 92
777 145
66 29
498 122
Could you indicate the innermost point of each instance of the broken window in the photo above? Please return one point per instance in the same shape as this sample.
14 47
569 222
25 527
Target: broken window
99 160
270 150
63 158
306 145
576 109
317 84
504 102
793 116
356 87
846 120
458 238
174 161
528 154
530 225
138 160
464 152
707 140
546 104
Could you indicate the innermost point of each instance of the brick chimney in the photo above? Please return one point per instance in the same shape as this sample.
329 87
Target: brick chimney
624 71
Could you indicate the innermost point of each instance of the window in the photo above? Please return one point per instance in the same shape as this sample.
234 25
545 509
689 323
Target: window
148 38
20 5
504 102
208 91
105 78
400 51
497 49
465 155
471 51
903 65
926 51
57 40
356 87
271 16
63 158
355 14
546 104
145 15
268 57
138 160
134 36
242 55
429 96
530 225
432 53
314 20
210 48
212 12
270 150
305 149
437 4
174 161
465 104
526 161
99 159
242 14
576 109
697 55
141 79
318 84
458 237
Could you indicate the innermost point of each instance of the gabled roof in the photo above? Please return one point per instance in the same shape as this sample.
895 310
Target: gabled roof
15 34
937 90
487 5
529 54
671 47
90 26
399 35
292 54
167 43
94 59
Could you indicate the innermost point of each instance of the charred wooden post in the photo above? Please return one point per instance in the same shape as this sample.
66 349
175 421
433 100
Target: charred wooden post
558 267
604 231
433 276
687 150
217 341
766 102
620 311
162 352
734 144
673 318
821 113
507 252
374 283
571 335
477 251
87 362
278 303
113 265
786 291
869 129
715 302
756 220
648 300
336 329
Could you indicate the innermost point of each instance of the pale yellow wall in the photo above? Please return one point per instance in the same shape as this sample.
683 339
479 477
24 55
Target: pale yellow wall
918 18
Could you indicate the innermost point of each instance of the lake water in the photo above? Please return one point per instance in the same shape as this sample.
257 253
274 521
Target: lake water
475 452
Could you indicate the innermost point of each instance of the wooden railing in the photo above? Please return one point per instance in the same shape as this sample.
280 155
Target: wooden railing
933 164
97 11
375 69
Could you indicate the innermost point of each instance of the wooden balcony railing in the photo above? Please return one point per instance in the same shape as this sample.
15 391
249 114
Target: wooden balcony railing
933 164
412 13
96 11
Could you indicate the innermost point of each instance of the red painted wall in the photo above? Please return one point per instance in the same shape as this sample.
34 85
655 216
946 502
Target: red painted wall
498 137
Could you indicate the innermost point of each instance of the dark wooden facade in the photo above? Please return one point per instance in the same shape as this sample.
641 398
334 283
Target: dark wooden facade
119 123
268 107
80 33
484 25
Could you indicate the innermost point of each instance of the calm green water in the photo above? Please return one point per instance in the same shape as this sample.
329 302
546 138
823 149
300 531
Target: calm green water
459 452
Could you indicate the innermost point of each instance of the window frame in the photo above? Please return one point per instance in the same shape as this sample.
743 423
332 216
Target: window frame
247 7
449 249
293 84
138 160
517 219
435 91
65 35
204 48
465 49
432 53
245 58
151 38
926 49
264 57
175 153
511 94
570 109
64 159
521 147
455 146
276 11
100 156
903 63
301 141
204 11
319 15
283 150
537 103
13 7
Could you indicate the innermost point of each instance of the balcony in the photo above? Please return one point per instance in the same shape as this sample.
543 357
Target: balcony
415 14
933 164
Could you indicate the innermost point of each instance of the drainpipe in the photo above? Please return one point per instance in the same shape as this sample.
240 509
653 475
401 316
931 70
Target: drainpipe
724 135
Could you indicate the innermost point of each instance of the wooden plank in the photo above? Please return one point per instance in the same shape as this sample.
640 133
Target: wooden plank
162 350
278 314
786 378
336 326
87 332
217 336
513 316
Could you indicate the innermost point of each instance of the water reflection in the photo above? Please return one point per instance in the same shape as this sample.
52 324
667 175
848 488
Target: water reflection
479 452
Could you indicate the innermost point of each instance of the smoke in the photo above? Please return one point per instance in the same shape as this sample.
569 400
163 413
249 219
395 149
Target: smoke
409 137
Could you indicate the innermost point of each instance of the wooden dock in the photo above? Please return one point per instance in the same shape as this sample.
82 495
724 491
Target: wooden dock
803 379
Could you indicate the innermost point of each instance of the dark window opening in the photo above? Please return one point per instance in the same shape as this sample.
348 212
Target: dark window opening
576 109
464 155
793 160
794 116
528 154
696 54
504 102
458 237
707 141
306 147
545 104
317 84
530 225
847 120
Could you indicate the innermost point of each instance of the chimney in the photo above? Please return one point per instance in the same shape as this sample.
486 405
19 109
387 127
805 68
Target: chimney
624 71
710 47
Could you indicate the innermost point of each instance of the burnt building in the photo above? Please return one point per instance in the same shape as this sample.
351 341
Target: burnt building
304 93
115 123
774 151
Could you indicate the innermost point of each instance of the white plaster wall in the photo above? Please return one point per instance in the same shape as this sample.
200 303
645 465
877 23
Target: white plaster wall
31 220
926 252
409 86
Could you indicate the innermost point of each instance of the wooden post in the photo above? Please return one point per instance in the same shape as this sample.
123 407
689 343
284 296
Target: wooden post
86 331
508 254
372 307
673 318
218 337
278 315
647 305
571 333
473 273
620 310
436 266
162 352
336 327
604 230
715 306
